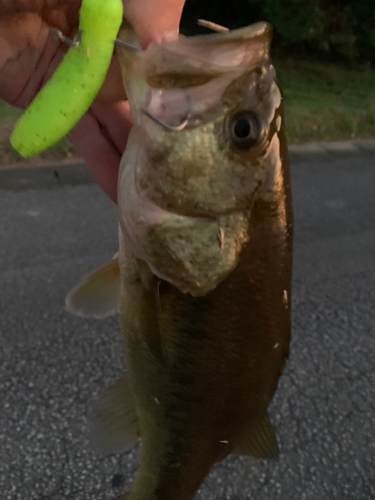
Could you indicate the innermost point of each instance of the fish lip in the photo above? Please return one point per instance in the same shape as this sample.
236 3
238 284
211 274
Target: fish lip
240 35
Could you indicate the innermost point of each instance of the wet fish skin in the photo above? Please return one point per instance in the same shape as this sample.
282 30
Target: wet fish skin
200 172
218 366
205 264
171 179
203 369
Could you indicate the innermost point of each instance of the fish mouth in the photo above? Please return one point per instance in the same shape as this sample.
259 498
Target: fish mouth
180 213
193 61
191 165
184 64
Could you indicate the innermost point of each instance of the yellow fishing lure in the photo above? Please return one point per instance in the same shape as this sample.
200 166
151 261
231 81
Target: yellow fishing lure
72 88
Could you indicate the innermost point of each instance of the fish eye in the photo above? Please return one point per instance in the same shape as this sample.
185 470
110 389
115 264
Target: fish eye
244 129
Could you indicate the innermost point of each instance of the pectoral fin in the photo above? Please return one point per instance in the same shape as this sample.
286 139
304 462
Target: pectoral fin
98 294
259 441
114 423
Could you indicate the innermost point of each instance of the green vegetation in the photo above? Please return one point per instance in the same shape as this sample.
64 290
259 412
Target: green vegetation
326 102
329 29
324 54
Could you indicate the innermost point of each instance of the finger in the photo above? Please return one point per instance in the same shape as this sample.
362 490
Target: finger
115 120
100 138
20 50
27 52
154 20
101 156
113 88
47 63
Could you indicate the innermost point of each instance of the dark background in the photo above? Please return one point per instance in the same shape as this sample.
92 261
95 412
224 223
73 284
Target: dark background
336 30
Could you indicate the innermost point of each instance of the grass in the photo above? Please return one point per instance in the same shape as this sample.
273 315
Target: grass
323 102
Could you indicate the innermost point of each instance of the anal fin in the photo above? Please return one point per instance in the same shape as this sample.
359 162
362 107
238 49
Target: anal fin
259 441
114 423
98 294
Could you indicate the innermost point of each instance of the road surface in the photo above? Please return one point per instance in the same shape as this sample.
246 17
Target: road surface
54 365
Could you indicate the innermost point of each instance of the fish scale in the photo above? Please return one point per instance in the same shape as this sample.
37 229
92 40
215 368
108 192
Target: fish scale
205 260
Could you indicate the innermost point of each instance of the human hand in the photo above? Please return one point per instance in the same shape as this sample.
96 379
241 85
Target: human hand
29 56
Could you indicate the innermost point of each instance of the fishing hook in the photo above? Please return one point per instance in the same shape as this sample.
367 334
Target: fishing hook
173 128
128 45
59 35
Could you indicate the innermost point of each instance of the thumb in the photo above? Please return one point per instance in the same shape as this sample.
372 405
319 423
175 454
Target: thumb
154 20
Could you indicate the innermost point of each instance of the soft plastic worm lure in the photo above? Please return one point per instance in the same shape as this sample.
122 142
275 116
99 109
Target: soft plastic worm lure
74 85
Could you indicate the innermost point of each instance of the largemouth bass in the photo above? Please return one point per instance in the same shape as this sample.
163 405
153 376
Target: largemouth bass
203 276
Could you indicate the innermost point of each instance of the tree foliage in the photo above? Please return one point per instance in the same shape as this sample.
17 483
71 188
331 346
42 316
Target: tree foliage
334 29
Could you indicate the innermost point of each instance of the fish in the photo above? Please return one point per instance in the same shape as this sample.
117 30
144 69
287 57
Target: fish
202 280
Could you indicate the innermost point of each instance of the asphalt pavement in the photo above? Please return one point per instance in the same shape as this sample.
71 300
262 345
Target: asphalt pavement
53 365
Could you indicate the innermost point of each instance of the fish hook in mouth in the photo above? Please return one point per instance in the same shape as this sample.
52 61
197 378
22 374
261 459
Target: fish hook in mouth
173 128
136 48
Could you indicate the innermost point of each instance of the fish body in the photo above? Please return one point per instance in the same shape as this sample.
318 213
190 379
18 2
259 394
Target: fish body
205 256
204 369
